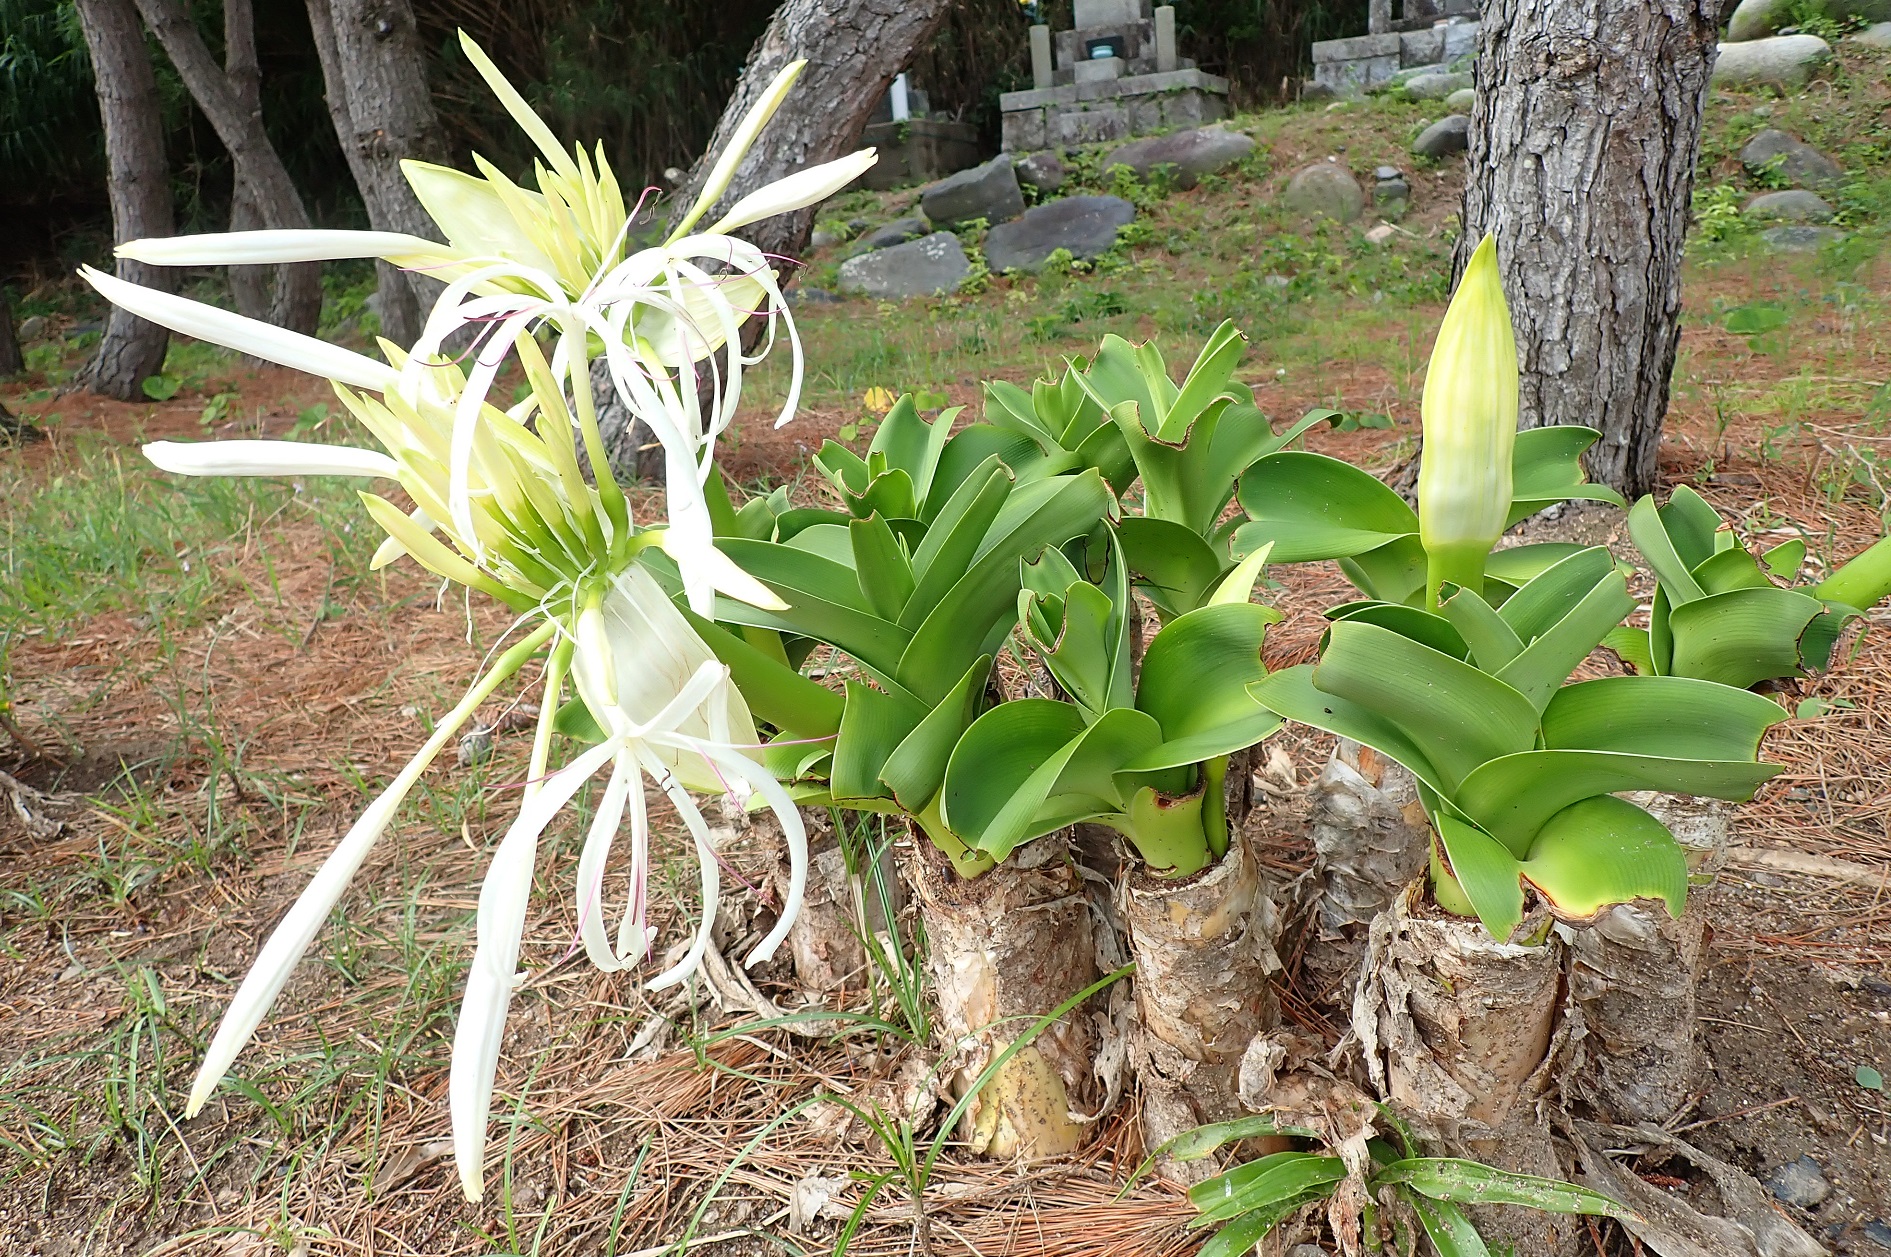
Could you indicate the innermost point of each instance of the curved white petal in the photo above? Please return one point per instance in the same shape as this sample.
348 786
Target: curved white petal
250 336
391 550
752 123
261 248
268 458
720 569
473 216
797 191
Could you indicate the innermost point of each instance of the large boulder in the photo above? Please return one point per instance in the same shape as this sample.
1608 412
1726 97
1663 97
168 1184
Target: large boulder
1795 206
899 231
1757 19
989 192
920 268
1785 154
1435 86
1876 37
1085 225
1781 61
1325 189
1444 137
1043 171
1192 153
1462 101
1800 238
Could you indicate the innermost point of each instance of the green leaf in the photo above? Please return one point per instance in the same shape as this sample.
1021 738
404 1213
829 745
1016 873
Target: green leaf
1449 1231
1548 660
774 691
881 568
1732 568
916 769
1425 627
1177 569
1487 636
160 388
1546 467
952 540
1077 782
1269 1182
1668 717
575 720
1206 382
1692 525
1242 579
910 444
1194 680
1241 1235
999 755
1741 637
1395 572
1816 643
871 726
1314 507
1631 644
1518 565
1548 597
1474 1183
1648 529
1490 875
1290 693
1863 581
1605 851
1868 1078
1460 716
970 448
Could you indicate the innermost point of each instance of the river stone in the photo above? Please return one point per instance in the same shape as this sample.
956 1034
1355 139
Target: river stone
1043 171
1799 239
989 192
1444 137
1781 61
1085 225
1797 160
1325 189
899 231
1876 37
1435 86
1800 1183
1461 100
916 269
1193 153
1756 19
1795 206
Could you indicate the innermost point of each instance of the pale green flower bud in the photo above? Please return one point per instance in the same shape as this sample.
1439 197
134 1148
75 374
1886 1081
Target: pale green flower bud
1470 419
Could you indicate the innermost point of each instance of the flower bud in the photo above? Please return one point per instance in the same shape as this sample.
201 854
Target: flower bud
1470 424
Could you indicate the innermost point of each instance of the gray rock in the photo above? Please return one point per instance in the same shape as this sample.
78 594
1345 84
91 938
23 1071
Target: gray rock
1797 160
1462 100
933 265
32 328
1391 196
1435 86
1756 19
1444 137
1781 61
1085 225
899 231
1878 1231
1193 153
1383 173
1795 206
808 295
989 192
1800 239
475 747
822 239
1307 1250
1312 92
1800 1183
1876 37
1043 171
1325 189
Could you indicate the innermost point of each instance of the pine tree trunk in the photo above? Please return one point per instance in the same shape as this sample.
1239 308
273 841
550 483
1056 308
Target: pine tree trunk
1583 142
12 361
375 78
1370 839
297 303
249 285
1004 949
140 185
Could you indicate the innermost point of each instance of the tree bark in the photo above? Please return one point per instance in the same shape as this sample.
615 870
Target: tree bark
1583 144
375 75
249 285
297 304
139 182
12 360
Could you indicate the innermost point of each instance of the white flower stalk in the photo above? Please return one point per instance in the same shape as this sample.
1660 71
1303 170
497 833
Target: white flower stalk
1470 429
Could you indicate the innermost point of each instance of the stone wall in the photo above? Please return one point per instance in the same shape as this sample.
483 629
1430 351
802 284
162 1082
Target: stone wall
1113 109
1349 67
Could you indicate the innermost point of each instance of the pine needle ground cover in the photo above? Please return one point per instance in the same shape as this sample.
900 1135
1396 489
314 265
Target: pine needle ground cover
179 792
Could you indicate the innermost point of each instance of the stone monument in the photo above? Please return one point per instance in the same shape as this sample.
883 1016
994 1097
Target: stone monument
916 145
1113 75
1426 33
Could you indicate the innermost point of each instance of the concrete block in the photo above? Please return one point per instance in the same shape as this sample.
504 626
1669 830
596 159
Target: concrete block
1165 39
1460 40
1023 131
1356 77
1092 126
1358 46
1089 13
1041 67
1426 47
1098 70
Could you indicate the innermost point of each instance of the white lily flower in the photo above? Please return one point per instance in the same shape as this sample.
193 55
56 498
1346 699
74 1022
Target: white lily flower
269 458
797 191
276 246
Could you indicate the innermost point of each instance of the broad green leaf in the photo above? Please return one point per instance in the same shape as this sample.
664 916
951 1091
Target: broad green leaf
1631 644
1194 680
1314 507
1460 716
953 538
1660 636
998 755
871 726
881 568
1076 782
1674 717
1084 650
1395 572
1290 693
1546 468
1816 643
1513 796
1741 637
967 452
1550 595
1649 531
1863 581
1487 636
910 444
1239 584
1008 406
1449 1231
1239 1237
1489 874
1118 374
1474 1183
1547 661
1205 382
791 523
1268 1182
1732 568
575 720
1175 567
774 692
1785 559
1422 626
1519 565
1692 526
1605 851
917 767
831 541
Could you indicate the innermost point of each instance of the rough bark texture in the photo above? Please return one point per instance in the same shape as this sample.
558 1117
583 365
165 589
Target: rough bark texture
1012 944
1370 838
1204 947
835 909
139 181
11 359
1460 1035
1583 144
249 285
1632 980
297 302
375 76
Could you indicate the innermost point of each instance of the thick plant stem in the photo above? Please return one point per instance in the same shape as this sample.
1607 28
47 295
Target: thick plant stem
1460 1035
1004 948
1204 947
1370 837
1632 979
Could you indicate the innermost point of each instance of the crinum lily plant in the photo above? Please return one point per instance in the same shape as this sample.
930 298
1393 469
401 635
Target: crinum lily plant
502 506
